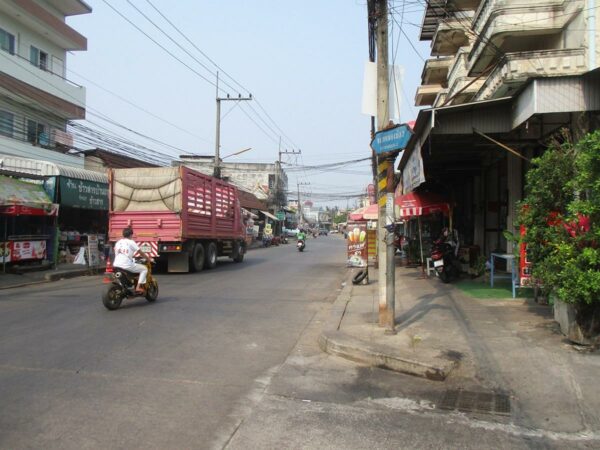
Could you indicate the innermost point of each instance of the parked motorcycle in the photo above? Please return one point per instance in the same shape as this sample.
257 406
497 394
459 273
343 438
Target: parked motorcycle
122 284
300 245
267 240
444 255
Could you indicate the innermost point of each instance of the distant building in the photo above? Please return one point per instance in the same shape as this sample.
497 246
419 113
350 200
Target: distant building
268 182
36 100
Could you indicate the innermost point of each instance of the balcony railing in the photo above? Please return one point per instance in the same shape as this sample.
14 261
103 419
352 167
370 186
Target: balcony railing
516 68
496 19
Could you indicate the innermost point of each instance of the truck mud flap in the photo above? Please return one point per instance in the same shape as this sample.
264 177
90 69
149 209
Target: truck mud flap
179 262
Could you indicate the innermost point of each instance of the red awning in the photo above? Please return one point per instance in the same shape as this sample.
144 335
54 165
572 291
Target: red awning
421 204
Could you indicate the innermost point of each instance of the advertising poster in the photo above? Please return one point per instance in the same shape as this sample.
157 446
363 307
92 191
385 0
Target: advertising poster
22 250
93 250
5 251
357 245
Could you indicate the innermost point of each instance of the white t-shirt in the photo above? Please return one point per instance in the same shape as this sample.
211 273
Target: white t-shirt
125 249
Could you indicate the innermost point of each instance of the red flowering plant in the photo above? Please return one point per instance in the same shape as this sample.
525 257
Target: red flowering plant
562 219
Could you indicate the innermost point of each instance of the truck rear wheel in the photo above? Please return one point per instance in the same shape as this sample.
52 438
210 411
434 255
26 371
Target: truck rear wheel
237 253
197 259
211 255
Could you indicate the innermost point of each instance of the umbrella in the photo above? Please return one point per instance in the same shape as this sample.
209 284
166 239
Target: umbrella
415 204
370 212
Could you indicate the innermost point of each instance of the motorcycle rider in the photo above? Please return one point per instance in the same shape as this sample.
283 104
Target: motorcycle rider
125 249
302 238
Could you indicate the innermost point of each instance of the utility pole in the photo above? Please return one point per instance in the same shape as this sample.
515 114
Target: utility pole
300 215
284 152
239 98
385 175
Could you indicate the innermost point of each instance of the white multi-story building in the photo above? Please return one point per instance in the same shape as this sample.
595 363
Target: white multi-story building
504 77
36 99
487 49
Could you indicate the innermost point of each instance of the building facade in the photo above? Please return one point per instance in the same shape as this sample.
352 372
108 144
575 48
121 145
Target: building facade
36 99
504 78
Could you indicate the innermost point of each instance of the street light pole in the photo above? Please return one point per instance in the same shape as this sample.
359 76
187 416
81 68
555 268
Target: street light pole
217 163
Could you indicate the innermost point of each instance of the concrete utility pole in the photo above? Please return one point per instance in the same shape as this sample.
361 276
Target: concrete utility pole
300 215
239 98
385 169
278 171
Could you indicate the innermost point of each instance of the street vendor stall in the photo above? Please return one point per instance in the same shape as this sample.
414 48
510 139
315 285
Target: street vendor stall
29 219
415 205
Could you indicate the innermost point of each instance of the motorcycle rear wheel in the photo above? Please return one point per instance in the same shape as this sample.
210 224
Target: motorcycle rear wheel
112 297
444 276
152 291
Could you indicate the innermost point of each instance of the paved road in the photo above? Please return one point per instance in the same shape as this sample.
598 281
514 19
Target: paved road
224 359
174 374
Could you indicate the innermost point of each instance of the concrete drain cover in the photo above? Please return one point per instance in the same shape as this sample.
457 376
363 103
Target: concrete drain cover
468 401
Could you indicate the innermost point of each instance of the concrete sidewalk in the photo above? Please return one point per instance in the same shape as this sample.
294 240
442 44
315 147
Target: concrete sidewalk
11 280
502 349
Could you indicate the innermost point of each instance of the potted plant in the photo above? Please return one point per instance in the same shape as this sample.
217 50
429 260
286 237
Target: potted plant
561 213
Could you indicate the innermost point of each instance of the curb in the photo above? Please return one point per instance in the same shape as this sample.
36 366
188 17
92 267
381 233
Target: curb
55 276
71 274
338 343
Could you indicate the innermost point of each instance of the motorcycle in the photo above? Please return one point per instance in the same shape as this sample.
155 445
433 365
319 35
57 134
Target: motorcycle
122 283
267 240
444 257
300 245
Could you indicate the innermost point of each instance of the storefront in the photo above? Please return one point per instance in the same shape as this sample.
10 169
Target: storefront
28 223
83 199
83 217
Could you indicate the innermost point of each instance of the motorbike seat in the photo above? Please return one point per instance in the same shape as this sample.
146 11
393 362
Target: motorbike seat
125 271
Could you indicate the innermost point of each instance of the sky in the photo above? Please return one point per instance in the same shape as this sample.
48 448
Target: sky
303 63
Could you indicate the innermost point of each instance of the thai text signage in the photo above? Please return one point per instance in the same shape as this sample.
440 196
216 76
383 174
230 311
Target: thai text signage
357 245
83 194
394 139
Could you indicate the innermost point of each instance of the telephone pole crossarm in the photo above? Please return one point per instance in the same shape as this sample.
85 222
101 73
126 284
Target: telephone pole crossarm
239 98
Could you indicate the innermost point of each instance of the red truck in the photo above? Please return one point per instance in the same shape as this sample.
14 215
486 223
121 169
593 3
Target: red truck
179 215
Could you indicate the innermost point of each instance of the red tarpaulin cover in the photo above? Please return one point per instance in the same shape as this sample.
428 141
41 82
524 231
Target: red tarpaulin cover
416 204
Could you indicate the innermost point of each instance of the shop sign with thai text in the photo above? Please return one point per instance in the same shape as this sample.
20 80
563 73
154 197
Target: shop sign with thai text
83 194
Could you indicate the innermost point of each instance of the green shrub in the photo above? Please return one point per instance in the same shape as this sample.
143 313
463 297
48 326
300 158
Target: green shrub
561 213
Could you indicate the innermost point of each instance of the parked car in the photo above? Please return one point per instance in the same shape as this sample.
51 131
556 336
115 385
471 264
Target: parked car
323 232
290 231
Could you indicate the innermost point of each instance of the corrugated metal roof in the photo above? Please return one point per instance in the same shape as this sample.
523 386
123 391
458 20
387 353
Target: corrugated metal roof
44 168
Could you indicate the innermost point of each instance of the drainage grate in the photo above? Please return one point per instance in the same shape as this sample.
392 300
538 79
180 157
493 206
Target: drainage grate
469 401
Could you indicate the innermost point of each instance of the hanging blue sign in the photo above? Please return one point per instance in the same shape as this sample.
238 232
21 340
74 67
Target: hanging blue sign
392 140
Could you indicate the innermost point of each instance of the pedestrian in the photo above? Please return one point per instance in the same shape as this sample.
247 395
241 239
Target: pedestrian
125 250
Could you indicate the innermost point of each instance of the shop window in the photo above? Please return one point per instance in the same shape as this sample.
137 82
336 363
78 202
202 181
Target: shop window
38 58
7 41
7 123
37 133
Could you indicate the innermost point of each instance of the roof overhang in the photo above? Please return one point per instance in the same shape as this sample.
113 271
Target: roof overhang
489 116
24 166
